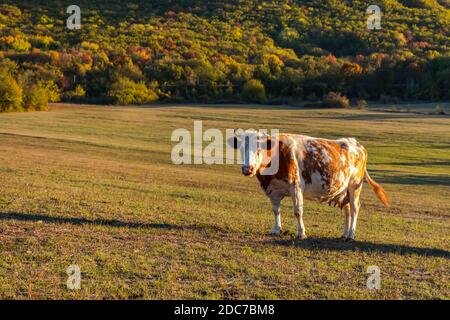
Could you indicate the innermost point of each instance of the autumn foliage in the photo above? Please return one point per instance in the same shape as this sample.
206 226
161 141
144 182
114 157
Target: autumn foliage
233 51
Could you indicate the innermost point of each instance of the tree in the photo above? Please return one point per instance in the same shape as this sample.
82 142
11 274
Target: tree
208 51
254 91
350 70
335 100
10 94
36 98
126 91
75 95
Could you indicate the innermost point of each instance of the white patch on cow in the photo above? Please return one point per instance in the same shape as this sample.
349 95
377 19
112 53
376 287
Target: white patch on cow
325 156
352 170
337 176
341 177
315 190
352 146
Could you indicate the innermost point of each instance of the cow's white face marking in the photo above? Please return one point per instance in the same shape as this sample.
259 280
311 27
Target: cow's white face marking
251 152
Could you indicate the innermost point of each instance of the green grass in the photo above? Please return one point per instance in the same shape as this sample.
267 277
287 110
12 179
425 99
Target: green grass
94 187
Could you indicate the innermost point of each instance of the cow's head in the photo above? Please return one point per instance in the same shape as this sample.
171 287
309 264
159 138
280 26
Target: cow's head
251 145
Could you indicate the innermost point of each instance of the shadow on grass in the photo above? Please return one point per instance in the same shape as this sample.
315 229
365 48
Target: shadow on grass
415 164
382 115
334 244
419 180
317 244
84 221
105 222
412 179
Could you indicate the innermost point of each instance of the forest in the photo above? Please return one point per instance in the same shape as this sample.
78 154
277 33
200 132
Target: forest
243 51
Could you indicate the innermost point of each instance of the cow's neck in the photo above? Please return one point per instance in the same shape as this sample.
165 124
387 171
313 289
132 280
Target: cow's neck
264 180
287 168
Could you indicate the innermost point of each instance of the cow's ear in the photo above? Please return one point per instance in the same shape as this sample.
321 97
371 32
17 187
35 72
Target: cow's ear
233 142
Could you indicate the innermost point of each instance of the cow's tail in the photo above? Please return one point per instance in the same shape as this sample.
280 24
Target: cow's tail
379 191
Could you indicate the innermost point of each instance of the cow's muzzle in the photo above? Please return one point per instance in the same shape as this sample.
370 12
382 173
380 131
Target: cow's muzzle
247 170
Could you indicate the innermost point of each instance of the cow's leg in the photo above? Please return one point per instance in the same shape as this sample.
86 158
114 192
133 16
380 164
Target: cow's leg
347 220
297 198
354 210
276 203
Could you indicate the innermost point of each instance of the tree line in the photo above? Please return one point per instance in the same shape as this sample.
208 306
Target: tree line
279 51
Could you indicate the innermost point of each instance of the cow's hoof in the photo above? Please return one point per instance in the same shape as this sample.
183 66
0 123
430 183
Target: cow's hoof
302 237
343 238
350 240
276 232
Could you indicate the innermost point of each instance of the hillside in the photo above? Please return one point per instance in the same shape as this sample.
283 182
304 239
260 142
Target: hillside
141 51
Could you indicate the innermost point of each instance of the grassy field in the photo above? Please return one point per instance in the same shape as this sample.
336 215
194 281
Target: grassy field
95 187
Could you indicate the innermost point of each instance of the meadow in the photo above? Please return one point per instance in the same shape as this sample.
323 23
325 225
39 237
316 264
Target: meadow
94 186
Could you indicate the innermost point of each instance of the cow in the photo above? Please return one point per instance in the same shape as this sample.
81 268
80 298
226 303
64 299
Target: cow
330 171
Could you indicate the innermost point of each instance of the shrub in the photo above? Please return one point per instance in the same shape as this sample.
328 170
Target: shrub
21 45
10 94
440 110
75 95
126 91
422 4
53 92
362 104
36 97
254 91
335 100
9 67
9 10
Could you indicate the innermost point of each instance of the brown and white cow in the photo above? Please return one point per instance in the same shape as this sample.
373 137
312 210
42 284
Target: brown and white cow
329 171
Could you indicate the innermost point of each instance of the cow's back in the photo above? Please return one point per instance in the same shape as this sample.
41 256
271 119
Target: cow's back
327 167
